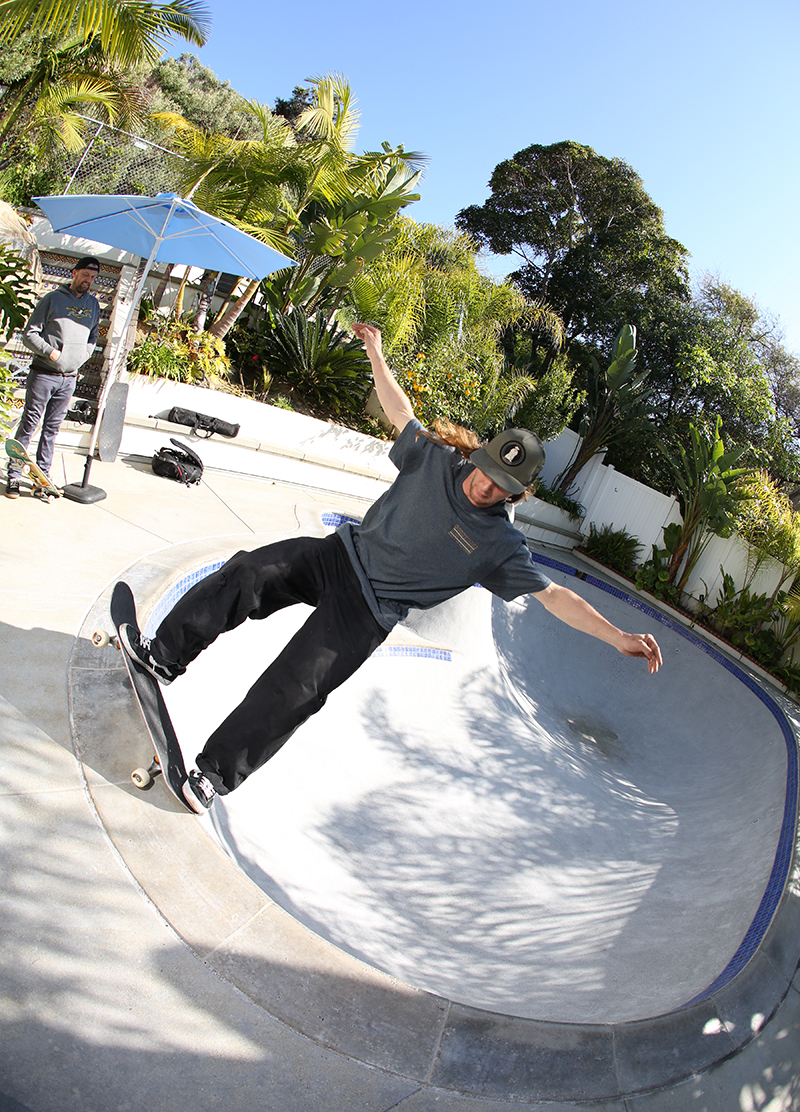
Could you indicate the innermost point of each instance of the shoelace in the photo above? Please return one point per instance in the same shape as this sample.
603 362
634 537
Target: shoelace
204 787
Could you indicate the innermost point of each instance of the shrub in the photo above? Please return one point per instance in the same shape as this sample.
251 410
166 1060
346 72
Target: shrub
557 498
615 548
325 365
173 350
763 626
653 576
17 296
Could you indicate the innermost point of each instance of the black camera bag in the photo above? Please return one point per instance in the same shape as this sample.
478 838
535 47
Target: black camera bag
179 463
200 423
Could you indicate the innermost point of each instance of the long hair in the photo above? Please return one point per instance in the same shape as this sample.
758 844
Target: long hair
444 432
465 441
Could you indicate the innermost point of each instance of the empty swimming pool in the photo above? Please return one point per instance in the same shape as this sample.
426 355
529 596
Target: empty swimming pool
502 811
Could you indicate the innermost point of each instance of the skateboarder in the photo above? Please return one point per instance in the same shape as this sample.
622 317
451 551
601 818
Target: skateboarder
441 527
61 333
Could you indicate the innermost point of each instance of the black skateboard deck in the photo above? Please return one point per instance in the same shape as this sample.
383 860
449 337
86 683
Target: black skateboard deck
112 422
168 756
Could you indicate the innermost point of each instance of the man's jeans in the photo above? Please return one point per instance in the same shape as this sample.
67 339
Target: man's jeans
47 398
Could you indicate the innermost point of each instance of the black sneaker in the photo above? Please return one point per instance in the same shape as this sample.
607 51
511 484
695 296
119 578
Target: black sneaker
198 791
138 648
12 488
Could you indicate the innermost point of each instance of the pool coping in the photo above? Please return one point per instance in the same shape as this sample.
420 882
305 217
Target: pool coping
340 1002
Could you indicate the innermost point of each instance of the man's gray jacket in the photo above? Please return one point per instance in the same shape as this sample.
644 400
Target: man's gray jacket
66 323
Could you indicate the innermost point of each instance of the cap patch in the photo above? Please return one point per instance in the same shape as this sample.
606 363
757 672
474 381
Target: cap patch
512 454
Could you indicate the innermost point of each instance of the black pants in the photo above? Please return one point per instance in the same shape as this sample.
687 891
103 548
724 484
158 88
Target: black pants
335 641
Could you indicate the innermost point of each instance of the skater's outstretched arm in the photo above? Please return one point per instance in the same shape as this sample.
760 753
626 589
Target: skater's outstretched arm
395 401
576 612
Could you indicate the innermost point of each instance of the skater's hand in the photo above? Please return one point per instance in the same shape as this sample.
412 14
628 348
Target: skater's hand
370 337
54 355
643 644
575 611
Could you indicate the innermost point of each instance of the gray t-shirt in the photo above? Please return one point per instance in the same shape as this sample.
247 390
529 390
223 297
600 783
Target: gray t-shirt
423 541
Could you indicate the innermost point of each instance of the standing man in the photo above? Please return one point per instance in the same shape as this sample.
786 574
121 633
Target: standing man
61 334
441 527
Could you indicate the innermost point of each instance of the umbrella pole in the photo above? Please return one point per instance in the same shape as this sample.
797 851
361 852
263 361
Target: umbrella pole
83 492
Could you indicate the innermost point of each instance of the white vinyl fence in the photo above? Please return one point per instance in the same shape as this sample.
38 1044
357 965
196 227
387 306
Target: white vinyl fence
611 498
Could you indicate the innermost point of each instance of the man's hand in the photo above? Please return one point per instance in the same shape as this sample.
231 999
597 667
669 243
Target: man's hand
54 355
370 337
642 644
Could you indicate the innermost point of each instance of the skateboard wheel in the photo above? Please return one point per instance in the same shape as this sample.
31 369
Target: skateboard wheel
100 638
141 778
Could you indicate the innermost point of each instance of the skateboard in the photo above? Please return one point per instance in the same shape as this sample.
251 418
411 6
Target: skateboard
168 759
112 421
49 492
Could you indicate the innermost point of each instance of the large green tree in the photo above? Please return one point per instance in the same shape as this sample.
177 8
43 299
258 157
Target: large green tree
591 241
727 359
187 88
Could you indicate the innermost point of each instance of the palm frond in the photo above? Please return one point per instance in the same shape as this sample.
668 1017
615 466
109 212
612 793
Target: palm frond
130 31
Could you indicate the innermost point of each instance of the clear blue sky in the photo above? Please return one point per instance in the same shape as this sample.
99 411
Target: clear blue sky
700 97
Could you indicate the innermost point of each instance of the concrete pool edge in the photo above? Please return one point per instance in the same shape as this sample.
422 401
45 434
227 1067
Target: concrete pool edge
338 1001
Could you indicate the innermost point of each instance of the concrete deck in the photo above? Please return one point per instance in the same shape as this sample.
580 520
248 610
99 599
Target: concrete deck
144 970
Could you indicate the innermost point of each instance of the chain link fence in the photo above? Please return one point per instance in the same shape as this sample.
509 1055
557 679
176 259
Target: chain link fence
116 161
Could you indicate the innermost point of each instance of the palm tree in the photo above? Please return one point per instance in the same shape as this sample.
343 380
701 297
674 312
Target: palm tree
301 190
335 208
88 47
243 181
709 488
129 34
616 405
67 76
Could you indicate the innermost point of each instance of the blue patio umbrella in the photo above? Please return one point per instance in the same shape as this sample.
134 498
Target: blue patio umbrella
166 228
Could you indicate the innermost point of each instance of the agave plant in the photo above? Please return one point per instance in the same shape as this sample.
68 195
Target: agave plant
325 364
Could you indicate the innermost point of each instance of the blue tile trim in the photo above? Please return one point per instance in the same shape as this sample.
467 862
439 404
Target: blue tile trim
334 520
413 651
176 592
549 562
783 855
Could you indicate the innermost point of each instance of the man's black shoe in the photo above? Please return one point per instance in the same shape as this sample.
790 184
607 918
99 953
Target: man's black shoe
138 649
198 791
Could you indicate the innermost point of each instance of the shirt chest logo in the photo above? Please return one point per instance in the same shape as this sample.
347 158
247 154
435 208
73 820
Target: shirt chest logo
461 538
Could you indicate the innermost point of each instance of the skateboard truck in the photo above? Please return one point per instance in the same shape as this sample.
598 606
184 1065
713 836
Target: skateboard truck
142 777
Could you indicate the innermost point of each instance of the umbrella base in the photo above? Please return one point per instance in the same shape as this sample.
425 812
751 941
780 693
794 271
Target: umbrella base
86 494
